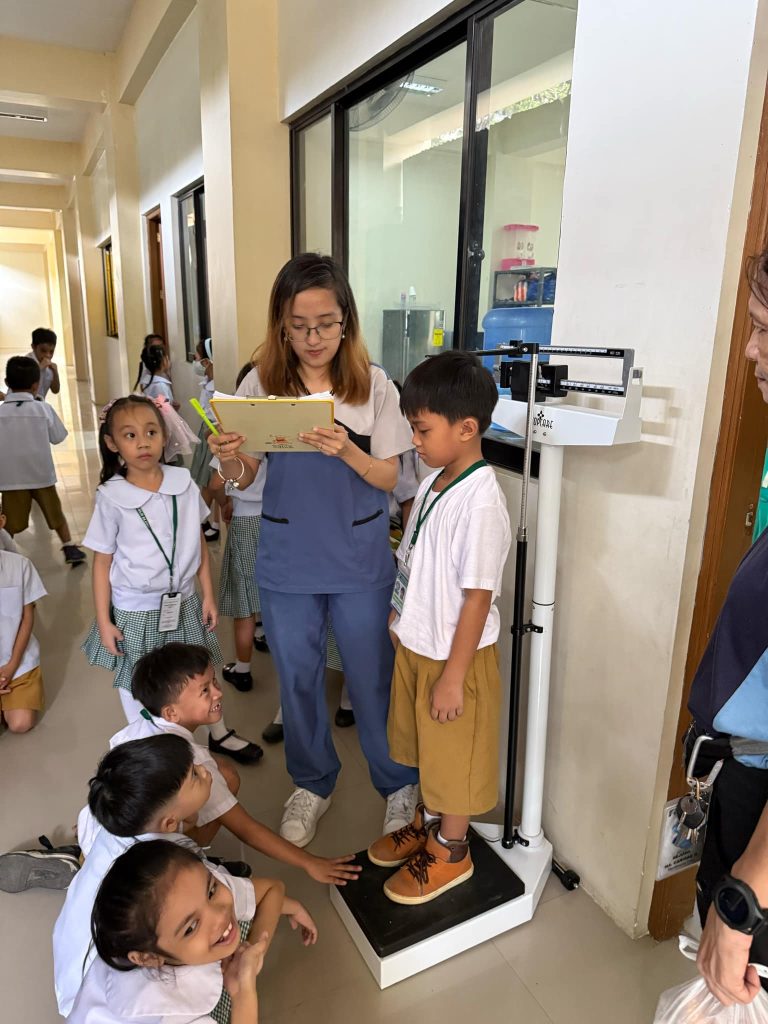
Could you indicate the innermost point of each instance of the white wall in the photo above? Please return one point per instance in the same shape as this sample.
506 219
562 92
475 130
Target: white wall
170 156
656 196
24 299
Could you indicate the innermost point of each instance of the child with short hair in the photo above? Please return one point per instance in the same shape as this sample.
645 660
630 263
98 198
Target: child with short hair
444 711
143 790
28 429
21 680
43 349
164 925
177 686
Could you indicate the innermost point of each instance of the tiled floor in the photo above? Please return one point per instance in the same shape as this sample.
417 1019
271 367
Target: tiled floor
570 965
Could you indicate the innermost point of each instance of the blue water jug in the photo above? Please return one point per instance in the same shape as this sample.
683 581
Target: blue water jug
516 323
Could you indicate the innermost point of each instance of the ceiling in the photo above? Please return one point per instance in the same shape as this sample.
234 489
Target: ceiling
63 125
85 24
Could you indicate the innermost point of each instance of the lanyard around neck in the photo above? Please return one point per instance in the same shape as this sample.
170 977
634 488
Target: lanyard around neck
423 512
168 561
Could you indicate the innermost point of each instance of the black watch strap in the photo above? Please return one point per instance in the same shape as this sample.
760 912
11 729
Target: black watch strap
736 904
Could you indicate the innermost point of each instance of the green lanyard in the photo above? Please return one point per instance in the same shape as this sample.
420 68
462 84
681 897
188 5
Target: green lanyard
168 561
421 518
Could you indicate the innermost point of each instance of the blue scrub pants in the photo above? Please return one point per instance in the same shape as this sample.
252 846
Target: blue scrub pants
296 626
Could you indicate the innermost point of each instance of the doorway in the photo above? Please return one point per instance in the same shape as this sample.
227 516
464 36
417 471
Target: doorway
156 274
730 518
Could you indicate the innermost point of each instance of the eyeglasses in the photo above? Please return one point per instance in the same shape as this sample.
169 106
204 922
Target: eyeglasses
325 332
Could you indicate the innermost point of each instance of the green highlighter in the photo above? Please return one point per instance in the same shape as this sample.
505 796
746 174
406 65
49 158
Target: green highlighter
201 413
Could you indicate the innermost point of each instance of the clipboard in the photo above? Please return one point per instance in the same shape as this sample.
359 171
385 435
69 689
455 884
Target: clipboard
273 424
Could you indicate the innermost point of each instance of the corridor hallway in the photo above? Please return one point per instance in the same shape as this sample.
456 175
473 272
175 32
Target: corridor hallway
571 965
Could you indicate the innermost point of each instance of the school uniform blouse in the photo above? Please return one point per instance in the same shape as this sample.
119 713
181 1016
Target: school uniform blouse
73 951
139 574
46 377
158 387
324 529
170 995
20 585
246 501
27 429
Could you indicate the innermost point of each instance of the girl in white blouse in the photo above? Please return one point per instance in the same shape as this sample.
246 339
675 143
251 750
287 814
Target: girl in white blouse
169 932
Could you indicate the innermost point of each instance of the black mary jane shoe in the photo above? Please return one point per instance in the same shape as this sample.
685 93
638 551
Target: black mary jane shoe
274 733
242 681
260 644
344 717
251 753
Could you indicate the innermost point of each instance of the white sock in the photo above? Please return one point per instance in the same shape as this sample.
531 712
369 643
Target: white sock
214 526
219 730
278 719
447 842
429 818
344 702
242 666
258 631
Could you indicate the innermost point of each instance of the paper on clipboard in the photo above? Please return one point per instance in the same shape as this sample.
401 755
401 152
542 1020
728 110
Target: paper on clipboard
273 424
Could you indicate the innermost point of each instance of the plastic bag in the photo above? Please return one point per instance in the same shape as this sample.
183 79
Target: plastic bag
693 1003
181 439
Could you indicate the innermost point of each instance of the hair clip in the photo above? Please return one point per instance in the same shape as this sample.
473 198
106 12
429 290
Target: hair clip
105 411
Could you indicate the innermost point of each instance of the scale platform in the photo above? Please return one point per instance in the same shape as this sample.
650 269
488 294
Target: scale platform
398 941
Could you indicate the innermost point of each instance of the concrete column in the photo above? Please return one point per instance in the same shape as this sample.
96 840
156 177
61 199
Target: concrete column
246 168
70 230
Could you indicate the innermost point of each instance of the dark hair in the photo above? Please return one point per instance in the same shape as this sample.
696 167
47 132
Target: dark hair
43 336
244 371
135 779
126 911
454 385
757 275
152 359
204 348
110 461
22 373
150 341
276 360
161 675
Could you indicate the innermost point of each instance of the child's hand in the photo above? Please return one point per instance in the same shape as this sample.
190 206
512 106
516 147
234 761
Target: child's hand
45 362
301 919
447 699
227 509
111 636
210 614
7 672
332 870
244 966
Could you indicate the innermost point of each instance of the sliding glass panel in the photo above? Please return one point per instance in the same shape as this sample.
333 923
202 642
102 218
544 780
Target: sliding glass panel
521 130
405 144
314 187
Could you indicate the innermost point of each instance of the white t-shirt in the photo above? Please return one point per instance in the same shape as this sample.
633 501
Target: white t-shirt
27 431
46 377
219 802
378 418
159 387
79 990
139 574
246 502
20 585
463 545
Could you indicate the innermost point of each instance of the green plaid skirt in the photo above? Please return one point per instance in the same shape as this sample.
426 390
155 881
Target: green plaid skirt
238 593
222 1011
140 635
333 658
201 458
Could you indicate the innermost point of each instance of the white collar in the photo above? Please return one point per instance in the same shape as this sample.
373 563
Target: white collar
176 480
181 992
20 396
162 725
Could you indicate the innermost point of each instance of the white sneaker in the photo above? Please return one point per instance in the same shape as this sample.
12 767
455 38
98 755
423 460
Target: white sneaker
302 812
401 807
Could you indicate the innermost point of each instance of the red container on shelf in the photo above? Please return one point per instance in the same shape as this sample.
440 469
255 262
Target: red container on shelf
519 246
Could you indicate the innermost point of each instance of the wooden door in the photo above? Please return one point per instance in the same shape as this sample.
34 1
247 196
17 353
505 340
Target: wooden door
156 274
732 500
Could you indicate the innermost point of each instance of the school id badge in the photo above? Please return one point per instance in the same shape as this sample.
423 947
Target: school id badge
400 587
170 610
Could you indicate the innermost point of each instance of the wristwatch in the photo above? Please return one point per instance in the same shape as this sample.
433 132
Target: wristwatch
737 906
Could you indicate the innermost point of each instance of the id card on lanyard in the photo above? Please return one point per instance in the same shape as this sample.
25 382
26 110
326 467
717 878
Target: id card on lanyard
403 564
170 603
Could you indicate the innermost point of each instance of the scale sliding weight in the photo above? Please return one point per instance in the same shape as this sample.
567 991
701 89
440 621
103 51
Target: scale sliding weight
511 865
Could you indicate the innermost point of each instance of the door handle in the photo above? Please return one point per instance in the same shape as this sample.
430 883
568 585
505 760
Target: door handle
749 519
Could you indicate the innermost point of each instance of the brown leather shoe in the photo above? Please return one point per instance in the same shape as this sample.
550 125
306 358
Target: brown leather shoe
394 849
431 871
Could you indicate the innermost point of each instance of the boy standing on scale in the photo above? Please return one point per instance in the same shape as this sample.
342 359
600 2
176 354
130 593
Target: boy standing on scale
444 710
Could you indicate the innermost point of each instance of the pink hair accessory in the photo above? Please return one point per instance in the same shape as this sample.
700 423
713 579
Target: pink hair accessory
105 411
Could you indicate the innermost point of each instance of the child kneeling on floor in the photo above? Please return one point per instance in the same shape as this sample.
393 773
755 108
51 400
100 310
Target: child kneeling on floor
21 681
444 710
170 932
177 686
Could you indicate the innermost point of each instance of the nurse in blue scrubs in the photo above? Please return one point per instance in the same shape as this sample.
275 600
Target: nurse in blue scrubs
324 548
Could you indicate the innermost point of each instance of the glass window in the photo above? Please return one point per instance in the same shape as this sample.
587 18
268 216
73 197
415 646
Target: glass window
194 270
521 130
313 198
405 154
110 306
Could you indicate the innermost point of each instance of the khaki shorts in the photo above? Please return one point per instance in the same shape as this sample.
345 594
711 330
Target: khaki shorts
18 504
26 693
458 761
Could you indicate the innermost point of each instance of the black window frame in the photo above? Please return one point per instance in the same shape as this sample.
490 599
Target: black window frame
194 191
473 25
